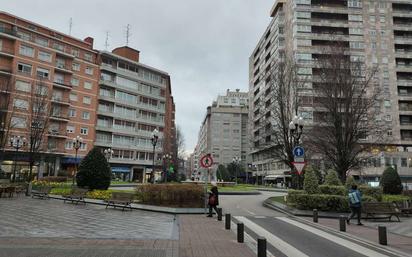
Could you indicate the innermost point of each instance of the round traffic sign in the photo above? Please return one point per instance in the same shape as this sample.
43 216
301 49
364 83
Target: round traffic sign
298 151
206 161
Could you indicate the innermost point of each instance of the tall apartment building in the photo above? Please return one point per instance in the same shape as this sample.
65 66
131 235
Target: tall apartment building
134 100
224 130
36 60
376 32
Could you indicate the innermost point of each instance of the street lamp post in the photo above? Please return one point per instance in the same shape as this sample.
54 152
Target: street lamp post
236 161
108 154
77 143
166 161
155 137
296 129
16 142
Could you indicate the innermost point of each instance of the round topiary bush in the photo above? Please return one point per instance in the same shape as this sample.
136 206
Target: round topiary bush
310 183
332 178
391 182
94 171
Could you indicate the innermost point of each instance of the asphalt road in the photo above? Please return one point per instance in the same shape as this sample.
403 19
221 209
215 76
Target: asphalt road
288 236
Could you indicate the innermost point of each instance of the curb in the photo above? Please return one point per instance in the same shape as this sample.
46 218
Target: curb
143 207
273 190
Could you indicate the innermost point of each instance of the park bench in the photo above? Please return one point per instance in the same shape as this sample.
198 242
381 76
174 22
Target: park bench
119 199
380 210
76 195
42 193
404 206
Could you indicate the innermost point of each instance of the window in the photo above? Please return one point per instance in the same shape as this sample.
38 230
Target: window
372 18
75 52
353 17
387 103
70 129
73 97
74 81
84 131
23 86
89 70
58 46
88 57
357 45
20 104
42 73
68 145
26 50
72 113
24 68
76 66
42 41
86 115
88 85
382 19
24 35
87 100
355 3
83 146
356 31
45 56
18 122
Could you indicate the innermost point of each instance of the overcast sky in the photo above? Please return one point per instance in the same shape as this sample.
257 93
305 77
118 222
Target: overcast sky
203 44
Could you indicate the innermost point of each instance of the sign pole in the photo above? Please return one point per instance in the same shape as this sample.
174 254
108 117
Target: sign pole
206 183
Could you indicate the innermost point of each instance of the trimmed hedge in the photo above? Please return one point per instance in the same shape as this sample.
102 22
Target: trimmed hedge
375 192
395 198
53 179
333 190
173 195
321 202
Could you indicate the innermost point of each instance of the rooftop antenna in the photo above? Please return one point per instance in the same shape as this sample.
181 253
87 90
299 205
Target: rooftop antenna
128 34
70 26
106 43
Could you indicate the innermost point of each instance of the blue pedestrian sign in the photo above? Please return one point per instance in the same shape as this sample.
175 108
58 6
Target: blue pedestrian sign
298 151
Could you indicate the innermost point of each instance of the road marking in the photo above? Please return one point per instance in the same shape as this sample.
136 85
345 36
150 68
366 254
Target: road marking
275 241
249 212
343 242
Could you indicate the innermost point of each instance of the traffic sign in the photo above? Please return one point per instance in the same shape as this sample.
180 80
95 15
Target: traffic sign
299 166
206 161
298 151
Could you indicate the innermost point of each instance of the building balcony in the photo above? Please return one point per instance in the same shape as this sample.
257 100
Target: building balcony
403 82
59 100
404 40
7 52
61 67
64 53
9 33
62 84
57 133
103 143
59 117
399 53
107 98
403 67
5 70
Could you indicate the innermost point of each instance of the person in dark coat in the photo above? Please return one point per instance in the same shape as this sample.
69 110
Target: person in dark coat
355 203
213 200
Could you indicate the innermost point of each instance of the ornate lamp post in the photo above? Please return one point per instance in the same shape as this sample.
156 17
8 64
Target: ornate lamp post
236 160
166 161
77 143
108 154
16 142
296 129
155 137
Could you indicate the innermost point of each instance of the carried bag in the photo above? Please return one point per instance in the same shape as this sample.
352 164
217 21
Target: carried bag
353 198
212 200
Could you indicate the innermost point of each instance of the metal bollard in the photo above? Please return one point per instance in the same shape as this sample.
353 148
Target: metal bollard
342 223
227 221
315 215
261 247
219 214
383 239
240 233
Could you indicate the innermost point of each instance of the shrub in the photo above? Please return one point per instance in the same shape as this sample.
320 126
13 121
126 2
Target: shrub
181 195
61 191
375 192
332 190
54 179
391 182
394 198
43 183
94 171
310 183
321 202
350 181
332 178
407 193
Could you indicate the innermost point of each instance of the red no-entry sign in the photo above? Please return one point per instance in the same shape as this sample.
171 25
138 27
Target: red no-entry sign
206 161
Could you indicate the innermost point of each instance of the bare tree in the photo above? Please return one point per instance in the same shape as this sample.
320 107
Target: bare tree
344 117
6 84
39 114
275 109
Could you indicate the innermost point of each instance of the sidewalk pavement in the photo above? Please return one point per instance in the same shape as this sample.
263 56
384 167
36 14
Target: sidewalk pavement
370 232
207 237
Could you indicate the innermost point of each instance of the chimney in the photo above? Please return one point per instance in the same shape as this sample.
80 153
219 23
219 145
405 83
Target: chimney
89 40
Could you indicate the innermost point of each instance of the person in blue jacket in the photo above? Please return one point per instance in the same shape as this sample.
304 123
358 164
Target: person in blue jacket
355 204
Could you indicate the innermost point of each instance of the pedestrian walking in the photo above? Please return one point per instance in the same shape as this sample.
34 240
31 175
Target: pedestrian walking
213 200
355 203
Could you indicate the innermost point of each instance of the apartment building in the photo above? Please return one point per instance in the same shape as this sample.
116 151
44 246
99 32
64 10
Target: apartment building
376 32
134 100
224 131
38 61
